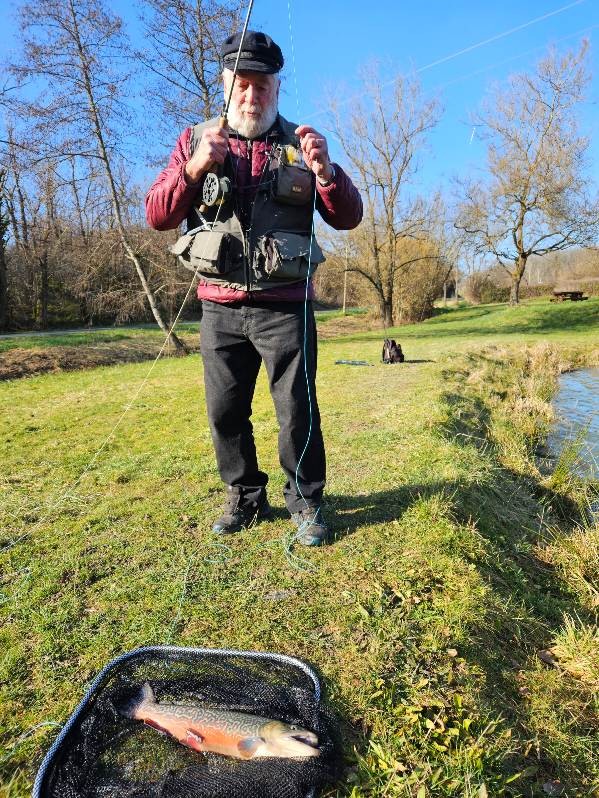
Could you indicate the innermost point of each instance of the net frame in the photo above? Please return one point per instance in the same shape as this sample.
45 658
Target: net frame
40 785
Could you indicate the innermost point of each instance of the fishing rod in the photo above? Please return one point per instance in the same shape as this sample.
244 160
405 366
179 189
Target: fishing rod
236 67
216 190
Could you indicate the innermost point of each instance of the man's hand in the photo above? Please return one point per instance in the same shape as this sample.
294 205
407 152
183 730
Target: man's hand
212 149
316 152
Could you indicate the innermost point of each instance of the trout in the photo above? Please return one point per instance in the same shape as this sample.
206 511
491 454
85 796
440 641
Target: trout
230 733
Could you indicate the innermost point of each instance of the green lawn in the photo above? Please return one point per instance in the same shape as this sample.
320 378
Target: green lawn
119 334
455 561
86 337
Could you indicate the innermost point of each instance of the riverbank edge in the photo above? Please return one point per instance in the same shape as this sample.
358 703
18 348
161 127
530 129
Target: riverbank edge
559 682
534 700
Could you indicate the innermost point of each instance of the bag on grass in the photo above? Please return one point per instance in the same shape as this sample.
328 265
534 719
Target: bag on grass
392 352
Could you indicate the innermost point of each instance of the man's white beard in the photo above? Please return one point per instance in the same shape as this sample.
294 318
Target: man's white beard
252 127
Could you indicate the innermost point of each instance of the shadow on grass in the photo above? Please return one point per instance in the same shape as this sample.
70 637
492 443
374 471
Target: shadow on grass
525 600
473 312
350 513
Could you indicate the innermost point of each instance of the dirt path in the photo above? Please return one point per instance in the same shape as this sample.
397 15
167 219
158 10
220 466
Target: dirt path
18 363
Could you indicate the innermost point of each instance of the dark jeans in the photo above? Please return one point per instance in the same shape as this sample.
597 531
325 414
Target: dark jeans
235 339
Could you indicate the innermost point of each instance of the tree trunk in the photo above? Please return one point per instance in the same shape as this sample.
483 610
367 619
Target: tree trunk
517 275
84 314
3 287
387 313
44 292
3 267
98 131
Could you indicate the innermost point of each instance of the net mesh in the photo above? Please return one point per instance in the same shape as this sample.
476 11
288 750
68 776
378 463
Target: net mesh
106 755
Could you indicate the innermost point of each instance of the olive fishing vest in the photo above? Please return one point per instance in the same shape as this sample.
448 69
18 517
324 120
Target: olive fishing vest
278 248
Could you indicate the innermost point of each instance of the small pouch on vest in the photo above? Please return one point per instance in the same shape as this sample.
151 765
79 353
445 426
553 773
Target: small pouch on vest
181 244
208 251
284 256
292 185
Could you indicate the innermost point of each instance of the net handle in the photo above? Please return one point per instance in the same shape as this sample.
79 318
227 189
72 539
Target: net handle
114 664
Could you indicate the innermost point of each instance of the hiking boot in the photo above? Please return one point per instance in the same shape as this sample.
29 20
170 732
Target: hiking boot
240 512
311 527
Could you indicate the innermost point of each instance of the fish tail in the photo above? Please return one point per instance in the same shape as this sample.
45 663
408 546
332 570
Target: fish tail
144 698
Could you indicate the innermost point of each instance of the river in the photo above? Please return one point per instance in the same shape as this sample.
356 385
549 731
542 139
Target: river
576 406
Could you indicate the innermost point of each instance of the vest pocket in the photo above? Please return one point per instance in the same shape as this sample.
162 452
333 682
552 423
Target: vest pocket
209 251
284 256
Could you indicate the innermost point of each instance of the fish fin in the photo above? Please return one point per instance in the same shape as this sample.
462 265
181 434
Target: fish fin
249 746
154 725
193 740
148 694
145 697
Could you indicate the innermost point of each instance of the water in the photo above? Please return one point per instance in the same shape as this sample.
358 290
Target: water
576 406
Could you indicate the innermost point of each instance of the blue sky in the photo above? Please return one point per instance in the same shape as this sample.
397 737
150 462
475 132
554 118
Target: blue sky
333 39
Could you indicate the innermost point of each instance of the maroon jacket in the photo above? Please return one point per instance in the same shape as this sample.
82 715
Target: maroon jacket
171 196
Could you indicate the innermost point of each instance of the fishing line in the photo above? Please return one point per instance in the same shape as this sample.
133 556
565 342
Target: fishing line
302 563
481 71
166 343
512 58
110 436
293 60
498 36
25 736
239 49
182 597
305 352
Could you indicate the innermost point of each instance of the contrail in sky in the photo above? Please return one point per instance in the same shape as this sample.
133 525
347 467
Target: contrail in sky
499 36
469 49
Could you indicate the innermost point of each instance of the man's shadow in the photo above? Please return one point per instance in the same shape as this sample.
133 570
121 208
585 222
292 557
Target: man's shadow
350 512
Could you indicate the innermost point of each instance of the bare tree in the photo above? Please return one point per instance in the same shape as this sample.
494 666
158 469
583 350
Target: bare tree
29 193
76 48
4 225
381 139
536 197
182 55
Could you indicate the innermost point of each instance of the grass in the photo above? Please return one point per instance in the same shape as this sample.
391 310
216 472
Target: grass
84 337
93 337
32 354
456 561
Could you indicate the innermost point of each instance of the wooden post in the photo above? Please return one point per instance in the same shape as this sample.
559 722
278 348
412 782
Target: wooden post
345 277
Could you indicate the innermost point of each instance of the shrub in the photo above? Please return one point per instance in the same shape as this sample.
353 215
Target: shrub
481 288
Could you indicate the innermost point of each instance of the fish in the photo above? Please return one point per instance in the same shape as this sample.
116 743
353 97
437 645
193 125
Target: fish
234 734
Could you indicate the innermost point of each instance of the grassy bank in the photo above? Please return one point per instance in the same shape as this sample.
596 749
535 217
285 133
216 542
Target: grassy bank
452 618
26 355
32 354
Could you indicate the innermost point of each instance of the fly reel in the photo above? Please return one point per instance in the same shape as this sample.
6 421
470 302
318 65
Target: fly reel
216 190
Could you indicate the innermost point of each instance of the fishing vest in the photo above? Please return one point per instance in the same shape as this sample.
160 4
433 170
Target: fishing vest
278 248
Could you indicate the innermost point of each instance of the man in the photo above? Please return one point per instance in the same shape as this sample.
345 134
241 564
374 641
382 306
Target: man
255 251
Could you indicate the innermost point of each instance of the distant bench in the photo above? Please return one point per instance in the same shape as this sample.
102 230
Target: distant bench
573 296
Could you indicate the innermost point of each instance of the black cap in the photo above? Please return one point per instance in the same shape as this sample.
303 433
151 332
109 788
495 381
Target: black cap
258 54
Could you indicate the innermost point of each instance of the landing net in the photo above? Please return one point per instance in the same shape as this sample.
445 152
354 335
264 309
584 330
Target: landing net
102 754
